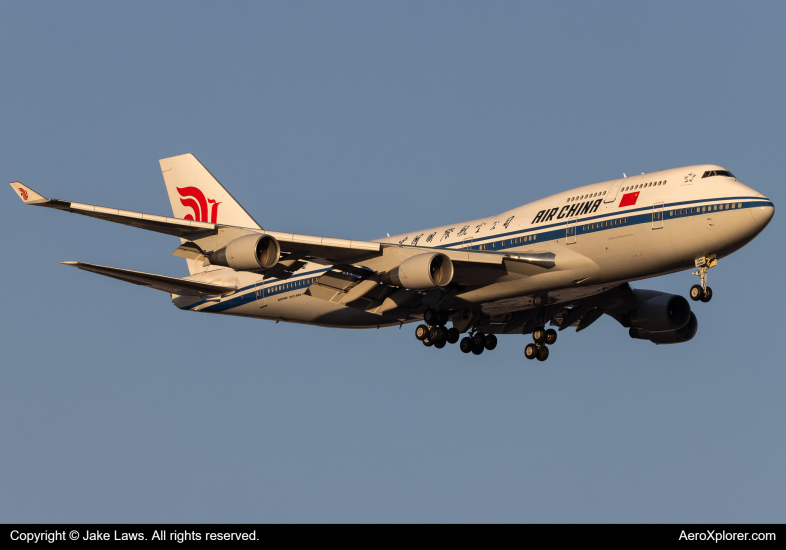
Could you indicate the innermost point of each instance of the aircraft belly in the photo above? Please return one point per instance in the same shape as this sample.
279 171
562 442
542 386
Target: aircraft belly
297 307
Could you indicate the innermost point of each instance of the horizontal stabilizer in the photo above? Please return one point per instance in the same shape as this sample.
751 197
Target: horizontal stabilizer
173 285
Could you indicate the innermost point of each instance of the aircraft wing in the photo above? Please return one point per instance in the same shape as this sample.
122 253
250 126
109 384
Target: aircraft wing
320 249
161 224
376 256
173 285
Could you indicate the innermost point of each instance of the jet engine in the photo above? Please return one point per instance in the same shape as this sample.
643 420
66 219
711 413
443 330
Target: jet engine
662 313
248 253
669 337
421 272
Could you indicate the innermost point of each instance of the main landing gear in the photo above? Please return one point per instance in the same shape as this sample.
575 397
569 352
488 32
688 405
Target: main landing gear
542 337
434 333
477 342
702 291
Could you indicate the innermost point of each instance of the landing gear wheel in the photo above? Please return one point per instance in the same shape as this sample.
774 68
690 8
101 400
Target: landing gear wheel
531 351
551 336
439 344
428 343
422 332
430 316
539 335
442 318
476 349
439 333
466 344
479 339
453 335
707 295
491 342
696 293
543 353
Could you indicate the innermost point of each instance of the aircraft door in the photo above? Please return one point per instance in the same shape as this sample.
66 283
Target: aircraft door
570 232
466 243
657 215
611 192
260 295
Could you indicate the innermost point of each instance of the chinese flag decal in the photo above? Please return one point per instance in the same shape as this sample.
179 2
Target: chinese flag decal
629 199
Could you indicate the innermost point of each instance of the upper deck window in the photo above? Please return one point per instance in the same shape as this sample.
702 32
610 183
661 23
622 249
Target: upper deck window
711 173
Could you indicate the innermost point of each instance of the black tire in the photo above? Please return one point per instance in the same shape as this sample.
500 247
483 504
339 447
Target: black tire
466 344
439 344
439 333
491 342
707 295
539 335
442 317
430 316
422 332
479 339
543 353
428 342
551 336
453 335
696 293
476 349
531 351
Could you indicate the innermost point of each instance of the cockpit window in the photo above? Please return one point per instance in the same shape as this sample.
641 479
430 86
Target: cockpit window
710 173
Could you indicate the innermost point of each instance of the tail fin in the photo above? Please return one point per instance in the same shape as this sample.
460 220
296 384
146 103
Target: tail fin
196 195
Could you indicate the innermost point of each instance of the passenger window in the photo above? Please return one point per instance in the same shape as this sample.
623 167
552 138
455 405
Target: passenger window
739 205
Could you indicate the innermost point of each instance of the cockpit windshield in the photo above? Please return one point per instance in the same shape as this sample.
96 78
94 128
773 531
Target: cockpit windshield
711 173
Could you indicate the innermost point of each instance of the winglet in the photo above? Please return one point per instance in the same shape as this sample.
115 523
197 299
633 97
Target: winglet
26 194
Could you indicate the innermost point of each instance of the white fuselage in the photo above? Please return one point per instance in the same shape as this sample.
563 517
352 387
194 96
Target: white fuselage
677 217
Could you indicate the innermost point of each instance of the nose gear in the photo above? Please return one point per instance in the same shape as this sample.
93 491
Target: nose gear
702 291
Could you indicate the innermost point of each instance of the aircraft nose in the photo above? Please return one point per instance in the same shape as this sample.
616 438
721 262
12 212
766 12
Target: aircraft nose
763 214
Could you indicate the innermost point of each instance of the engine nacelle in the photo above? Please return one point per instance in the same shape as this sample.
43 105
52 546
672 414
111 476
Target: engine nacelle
669 337
663 313
248 253
421 272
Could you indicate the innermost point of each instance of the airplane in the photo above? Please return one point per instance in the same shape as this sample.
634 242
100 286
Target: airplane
562 261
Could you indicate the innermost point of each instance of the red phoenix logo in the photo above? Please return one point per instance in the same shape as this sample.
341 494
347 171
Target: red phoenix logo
195 200
23 192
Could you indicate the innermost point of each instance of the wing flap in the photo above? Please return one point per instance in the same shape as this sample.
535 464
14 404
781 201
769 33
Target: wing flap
173 285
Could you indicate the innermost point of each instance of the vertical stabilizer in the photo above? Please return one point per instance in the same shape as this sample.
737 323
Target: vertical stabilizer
196 195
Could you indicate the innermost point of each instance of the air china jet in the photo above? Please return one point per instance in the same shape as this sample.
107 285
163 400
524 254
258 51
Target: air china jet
562 261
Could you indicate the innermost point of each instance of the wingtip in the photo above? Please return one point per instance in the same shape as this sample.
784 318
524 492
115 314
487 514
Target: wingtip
27 195
69 263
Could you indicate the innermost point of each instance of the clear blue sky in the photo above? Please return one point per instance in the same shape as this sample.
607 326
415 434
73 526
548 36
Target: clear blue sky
352 120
